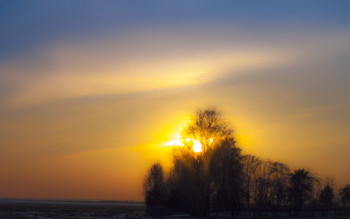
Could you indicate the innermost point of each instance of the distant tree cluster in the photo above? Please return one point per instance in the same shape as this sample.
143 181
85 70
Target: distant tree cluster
221 178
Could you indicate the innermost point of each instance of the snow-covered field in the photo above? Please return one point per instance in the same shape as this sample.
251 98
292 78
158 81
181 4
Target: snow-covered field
45 209
15 208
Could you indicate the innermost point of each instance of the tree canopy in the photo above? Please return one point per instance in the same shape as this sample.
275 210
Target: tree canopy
210 173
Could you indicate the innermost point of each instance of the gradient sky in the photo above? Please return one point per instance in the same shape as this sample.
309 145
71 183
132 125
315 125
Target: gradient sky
91 90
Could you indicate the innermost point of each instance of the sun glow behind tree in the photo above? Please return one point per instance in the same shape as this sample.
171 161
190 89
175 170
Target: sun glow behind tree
178 142
206 167
201 131
197 147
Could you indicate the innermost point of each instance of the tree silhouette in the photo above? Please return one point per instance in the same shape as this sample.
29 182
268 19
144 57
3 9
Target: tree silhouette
187 180
199 178
219 178
226 176
250 166
207 126
280 174
301 187
345 195
326 198
261 189
154 190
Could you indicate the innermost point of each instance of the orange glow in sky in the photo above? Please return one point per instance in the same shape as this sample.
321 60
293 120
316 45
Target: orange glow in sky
87 106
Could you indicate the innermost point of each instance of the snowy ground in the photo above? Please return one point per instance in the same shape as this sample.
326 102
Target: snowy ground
45 209
14 208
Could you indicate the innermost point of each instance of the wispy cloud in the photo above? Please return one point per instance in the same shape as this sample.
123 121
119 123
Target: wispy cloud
152 60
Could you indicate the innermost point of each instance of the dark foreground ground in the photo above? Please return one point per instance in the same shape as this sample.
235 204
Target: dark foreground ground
15 208
47 209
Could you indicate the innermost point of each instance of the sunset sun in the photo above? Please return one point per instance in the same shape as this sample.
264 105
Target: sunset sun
196 145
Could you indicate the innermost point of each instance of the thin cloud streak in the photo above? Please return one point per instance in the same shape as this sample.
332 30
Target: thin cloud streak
152 61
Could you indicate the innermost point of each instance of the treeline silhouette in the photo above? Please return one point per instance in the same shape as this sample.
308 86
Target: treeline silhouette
221 178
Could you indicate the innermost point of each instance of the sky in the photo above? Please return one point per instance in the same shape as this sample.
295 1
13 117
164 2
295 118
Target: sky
91 91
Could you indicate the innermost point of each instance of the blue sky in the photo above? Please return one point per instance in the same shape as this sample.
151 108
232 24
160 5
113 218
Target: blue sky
26 25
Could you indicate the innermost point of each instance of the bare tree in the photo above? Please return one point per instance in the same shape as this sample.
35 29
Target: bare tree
250 166
154 189
207 126
280 174
262 185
